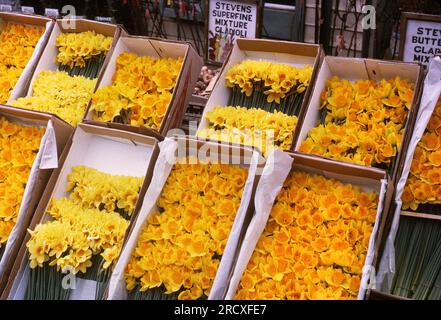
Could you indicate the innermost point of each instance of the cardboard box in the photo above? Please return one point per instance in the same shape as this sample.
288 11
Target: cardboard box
31 20
52 145
109 150
48 57
430 95
185 82
277 168
354 69
214 152
292 53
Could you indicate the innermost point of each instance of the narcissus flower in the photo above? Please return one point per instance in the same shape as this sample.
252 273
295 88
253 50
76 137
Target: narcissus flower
17 44
187 238
423 185
362 122
19 147
82 226
314 244
140 92
250 126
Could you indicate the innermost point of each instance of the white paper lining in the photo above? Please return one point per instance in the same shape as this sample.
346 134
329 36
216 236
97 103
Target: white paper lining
276 170
431 93
25 76
274 174
108 154
163 166
47 158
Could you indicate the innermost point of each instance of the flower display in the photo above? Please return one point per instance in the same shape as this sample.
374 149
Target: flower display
91 188
253 127
86 232
268 85
19 146
17 44
314 244
423 185
361 122
180 247
140 93
74 49
58 93
75 234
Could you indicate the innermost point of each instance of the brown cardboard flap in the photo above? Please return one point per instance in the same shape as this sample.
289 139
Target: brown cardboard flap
112 132
82 25
139 130
278 46
348 169
24 18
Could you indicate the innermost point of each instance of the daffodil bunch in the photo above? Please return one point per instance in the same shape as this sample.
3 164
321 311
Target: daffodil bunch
141 91
361 122
180 247
252 127
85 234
82 53
75 234
61 94
423 185
90 188
315 242
17 44
268 85
18 148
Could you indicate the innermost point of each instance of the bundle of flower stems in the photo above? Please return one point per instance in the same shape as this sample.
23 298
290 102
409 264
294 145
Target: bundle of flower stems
46 283
418 259
84 237
82 53
91 69
153 294
289 105
268 85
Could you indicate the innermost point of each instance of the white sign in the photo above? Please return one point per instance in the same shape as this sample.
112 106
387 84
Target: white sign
422 42
5 8
49 12
26 9
104 19
227 21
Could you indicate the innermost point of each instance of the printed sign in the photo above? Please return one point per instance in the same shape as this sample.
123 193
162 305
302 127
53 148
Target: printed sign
5 8
26 9
104 19
227 21
51 13
421 36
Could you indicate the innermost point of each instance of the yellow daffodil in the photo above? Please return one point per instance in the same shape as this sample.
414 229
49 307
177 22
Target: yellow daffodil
362 122
74 49
58 93
181 245
85 224
19 147
17 44
253 127
423 185
315 242
140 93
